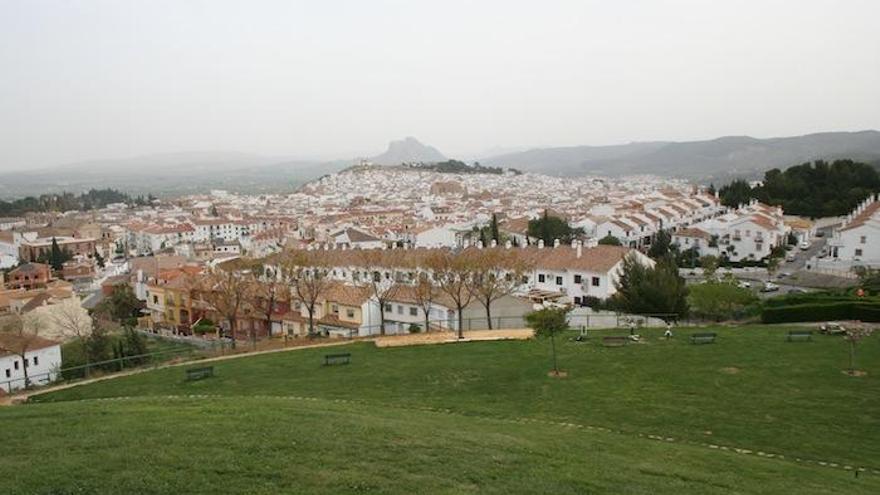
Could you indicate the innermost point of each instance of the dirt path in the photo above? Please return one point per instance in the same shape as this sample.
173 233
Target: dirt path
451 337
21 397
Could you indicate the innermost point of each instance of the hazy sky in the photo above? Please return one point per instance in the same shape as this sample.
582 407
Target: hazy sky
335 79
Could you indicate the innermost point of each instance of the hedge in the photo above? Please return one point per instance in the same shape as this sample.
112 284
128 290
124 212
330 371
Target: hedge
816 298
845 310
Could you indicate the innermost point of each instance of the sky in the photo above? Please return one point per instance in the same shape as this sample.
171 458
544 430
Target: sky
329 79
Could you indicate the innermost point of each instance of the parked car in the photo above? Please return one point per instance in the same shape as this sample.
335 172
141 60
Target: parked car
790 257
744 284
832 328
769 287
820 234
804 245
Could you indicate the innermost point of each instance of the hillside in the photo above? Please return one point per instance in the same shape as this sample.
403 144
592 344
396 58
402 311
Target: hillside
736 416
408 150
717 159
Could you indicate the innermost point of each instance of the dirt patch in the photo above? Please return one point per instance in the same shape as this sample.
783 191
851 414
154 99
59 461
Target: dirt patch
730 370
450 337
558 374
856 373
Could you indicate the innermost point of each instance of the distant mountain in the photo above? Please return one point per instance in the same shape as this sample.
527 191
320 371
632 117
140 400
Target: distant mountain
408 150
719 158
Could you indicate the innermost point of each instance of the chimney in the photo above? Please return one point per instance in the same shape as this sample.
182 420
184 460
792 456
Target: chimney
556 243
540 243
579 248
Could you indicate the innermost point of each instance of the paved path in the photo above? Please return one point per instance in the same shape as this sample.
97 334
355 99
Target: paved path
24 396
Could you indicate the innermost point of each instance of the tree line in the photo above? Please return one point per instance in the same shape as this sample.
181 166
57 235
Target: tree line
818 189
66 201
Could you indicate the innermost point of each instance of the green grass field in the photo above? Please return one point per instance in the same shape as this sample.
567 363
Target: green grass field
658 417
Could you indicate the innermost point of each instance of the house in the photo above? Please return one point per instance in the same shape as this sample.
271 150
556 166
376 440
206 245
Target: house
857 240
355 238
42 360
29 276
32 250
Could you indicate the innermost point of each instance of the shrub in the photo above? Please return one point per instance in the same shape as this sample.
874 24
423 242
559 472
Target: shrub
838 310
413 328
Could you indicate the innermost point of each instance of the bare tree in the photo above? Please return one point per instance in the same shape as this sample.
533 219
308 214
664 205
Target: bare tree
854 335
228 292
381 284
266 297
496 273
309 281
454 276
425 293
22 335
72 319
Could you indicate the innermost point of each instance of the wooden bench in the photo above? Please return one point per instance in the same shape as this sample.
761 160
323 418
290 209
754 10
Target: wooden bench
703 338
199 373
615 341
802 335
337 359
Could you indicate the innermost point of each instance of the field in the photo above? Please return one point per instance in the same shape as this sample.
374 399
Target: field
748 414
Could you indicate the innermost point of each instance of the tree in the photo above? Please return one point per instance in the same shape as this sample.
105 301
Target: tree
381 284
23 335
495 273
772 266
58 256
710 265
307 273
99 260
854 335
227 291
660 290
453 275
609 240
266 297
718 301
122 306
660 246
73 321
737 193
549 228
425 293
493 229
547 322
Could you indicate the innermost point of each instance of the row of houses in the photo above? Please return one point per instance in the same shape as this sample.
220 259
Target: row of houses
567 274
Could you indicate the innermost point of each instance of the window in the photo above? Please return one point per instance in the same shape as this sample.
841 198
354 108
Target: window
541 278
399 309
595 281
155 299
335 309
558 280
349 313
389 308
858 252
578 279
577 300
26 362
413 312
863 239
36 361
15 365
8 373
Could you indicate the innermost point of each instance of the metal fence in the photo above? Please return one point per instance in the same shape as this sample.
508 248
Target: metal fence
99 368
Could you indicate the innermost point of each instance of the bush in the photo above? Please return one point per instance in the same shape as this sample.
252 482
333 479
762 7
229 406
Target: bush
413 328
838 310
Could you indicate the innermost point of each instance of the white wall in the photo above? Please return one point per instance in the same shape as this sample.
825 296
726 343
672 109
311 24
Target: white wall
45 371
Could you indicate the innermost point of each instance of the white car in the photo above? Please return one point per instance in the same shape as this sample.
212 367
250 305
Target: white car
790 257
804 246
769 287
745 284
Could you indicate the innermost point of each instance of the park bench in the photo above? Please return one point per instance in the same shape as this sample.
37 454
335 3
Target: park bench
802 335
702 338
199 373
337 359
615 341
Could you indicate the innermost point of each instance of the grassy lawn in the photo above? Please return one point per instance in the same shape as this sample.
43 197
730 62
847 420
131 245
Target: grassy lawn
750 390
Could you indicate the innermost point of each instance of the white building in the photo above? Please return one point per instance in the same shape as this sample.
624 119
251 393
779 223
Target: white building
857 240
42 360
